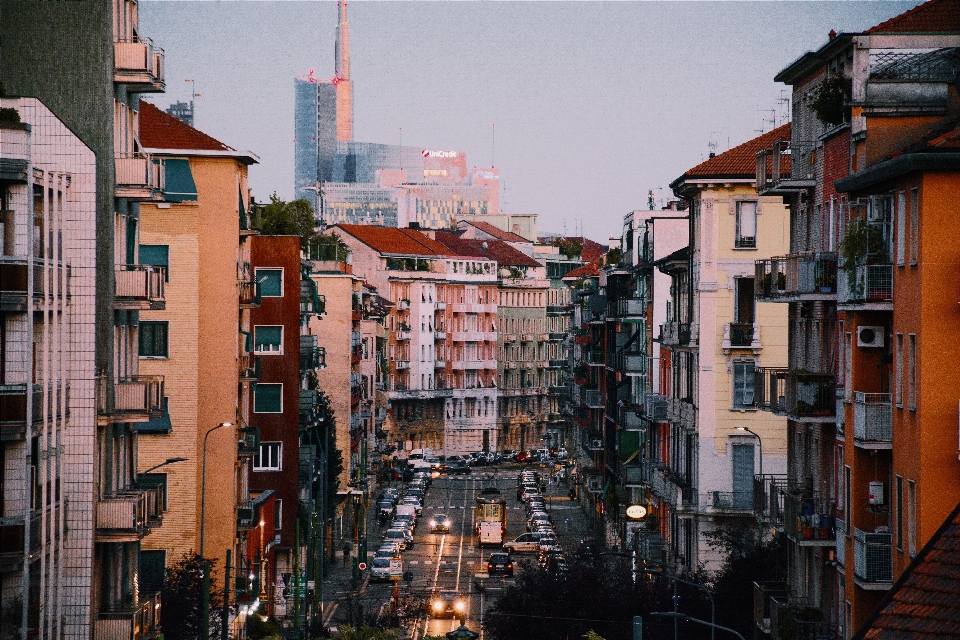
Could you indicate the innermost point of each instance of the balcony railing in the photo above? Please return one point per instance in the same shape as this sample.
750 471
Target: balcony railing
135 398
768 498
655 406
137 175
123 514
866 284
312 357
872 419
249 294
787 166
129 621
140 64
630 308
737 335
730 500
764 593
13 281
681 412
13 408
139 287
675 334
872 557
629 420
592 398
795 392
631 362
808 520
792 617
811 274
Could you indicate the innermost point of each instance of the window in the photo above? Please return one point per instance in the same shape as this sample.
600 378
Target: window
745 301
153 340
846 500
746 225
848 366
157 255
901 229
269 458
912 372
898 381
899 538
743 385
270 282
912 517
268 339
268 398
278 514
914 226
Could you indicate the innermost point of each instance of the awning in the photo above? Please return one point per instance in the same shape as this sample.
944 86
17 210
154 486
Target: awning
179 184
157 425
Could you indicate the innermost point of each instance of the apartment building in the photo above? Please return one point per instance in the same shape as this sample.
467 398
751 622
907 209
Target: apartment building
47 383
857 101
104 67
197 236
441 385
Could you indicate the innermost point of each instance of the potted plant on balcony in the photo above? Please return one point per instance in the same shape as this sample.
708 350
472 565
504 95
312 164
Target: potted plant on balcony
826 281
580 373
829 100
781 281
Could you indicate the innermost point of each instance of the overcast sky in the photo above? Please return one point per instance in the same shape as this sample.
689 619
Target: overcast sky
595 103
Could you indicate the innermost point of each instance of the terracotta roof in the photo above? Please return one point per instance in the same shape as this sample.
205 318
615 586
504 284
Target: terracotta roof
408 242
738 162
935 16
591 249
497 250
160 130
587 270
499 234
923 602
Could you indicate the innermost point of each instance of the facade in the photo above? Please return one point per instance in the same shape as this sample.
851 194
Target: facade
107 65
47 384
719 337
196 236
854 310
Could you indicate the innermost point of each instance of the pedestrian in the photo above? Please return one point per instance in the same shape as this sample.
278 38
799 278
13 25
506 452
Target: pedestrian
566 524
346 553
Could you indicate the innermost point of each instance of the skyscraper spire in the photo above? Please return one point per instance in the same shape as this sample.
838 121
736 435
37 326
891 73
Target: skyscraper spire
342 76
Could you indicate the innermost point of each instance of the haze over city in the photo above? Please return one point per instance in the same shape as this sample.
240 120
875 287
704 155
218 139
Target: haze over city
594 104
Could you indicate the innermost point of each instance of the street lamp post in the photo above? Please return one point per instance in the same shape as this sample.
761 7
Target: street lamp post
759 445
163 464
205 620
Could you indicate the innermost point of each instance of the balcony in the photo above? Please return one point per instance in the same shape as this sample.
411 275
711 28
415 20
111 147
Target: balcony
441 305
249 368
799 276
403 305
439 334
872 420
13 410
528 337
786 168
139 65
655 407
741 336
130 623
135 399
681 412
139 287
249 295
768 498
629 420
402 365
12 532
795 618
739 502
764 593
403 335
122 517
311 303
595 357
592 398
798 393
138 177
629 308
557 390
631 363
807 520
509 337
675 334
13 282
865 287
557 363
872 560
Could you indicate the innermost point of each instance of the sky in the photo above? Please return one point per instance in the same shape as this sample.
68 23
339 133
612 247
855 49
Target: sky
583 106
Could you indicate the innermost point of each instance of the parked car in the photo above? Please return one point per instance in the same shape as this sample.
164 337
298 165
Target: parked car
448 603
399 535
439 523
589 549
524 543
523 456
456 467
500 564
536 519
380 569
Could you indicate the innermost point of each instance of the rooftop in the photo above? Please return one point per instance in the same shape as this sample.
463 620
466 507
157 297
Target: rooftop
499 234
935 16
160 130
738 162
503 253
394 241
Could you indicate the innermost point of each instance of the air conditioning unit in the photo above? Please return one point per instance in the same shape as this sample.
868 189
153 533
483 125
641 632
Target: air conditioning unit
869 336
596 445
875 496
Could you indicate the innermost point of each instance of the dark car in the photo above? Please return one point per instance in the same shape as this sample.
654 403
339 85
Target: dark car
500 564
439 523
448 603
589 550
456 467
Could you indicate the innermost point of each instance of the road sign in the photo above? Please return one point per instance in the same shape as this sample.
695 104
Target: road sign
362 566
396 568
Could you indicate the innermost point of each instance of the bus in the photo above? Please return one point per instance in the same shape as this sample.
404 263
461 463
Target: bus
491 516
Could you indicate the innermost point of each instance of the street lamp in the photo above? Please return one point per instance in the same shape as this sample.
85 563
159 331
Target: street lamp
203 482
163 464
759 444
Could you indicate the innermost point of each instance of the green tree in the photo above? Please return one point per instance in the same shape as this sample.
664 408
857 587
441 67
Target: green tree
747 561
366 633
182 598
327 246
570 247
280 218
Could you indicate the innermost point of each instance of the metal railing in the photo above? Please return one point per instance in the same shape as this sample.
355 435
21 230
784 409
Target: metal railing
631 362
730 500
768 498
629 308
809 273
872 417
675 333
787 160
138 170
123 512
808 518
794 392
139 286
739 334
655 406
872 556
133 397
763 595
592 398
865 284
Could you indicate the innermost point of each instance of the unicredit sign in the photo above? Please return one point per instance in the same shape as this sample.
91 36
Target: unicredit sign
430 153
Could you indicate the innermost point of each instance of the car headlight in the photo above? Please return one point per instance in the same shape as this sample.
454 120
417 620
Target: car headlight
458 606
438 605
433 523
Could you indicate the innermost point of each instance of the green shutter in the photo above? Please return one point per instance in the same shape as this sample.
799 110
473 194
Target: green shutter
179 184
269 282
629 444
267 398
266 337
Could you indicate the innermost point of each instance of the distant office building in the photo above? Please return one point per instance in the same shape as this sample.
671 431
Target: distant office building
182 111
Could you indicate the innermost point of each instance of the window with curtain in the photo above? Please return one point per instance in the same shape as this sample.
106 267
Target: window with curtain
268 339
746 225
743 385
153 340
268 398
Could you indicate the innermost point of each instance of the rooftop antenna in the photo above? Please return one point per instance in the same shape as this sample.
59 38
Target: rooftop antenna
650 200
784 101
193 96
401 148
493 144
712 145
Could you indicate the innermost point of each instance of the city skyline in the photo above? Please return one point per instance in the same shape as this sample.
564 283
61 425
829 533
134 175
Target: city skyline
576 92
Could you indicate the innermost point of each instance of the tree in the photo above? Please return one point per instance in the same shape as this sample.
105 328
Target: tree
366 633
570 247
280 218
747 561
182 597
327 247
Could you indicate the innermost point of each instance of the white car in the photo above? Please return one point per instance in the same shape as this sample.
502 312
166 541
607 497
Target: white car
380 569
524 543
